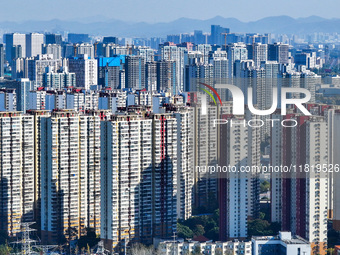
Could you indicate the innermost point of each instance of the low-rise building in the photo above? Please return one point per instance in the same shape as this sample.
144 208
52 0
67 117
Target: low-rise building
212 248
284 243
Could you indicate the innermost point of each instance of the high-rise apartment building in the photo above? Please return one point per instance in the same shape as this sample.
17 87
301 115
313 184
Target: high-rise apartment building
37 115
220 65
110 39
151 76
85 70
109 72
180 55
258 52
221 72
34 42
236 51
198 73
147 53
8 100
85 48
185 160
204 49
16 52
278 52
2 60
300 199
165 175
42 64
53 39
78 38
22 88
205 155
166 76
333 120
70 175
125 174
54 49
139 180
58 80
199 37
16 171
135 72
36 100
14 39
217 34
238 190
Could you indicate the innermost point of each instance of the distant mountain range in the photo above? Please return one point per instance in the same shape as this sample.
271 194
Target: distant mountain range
101 26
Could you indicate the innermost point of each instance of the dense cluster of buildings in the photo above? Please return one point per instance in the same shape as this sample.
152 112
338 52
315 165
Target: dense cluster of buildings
109 137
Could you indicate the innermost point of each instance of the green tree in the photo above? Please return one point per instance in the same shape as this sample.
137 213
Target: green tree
210 224
199 230
197 251
184 231
193 226
264 186
330 251
216 216
262 215
5 249
260 227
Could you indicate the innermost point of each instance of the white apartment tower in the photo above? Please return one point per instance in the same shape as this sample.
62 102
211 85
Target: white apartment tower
34 42
260 53
300 200
333 119
54 49
16 171
44 64
139 179
185 160
238 193
237 51
37 115
180 55
205 155
15 39
126 163
70 175
85 70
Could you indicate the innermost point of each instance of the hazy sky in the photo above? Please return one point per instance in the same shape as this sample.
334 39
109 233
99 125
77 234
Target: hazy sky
160 10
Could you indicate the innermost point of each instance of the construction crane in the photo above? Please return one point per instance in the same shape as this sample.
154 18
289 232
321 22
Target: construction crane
95 48
225 40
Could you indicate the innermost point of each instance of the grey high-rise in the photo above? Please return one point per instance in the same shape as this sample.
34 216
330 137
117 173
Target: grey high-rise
2 60
134 72
53 39
217 34
14 39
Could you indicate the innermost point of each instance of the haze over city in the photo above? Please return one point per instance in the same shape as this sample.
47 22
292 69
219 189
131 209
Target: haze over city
163 11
